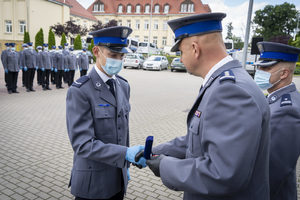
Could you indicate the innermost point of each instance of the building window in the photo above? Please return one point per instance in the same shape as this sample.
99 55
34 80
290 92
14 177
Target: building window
146 24
155 24
129 23
165 25
156 8
145 38
8 26
96 7
147 8
155 40
129 8
99 7
120 23
166 9
120 8
22 26
187 7
138 9
191 7
164 41
137 24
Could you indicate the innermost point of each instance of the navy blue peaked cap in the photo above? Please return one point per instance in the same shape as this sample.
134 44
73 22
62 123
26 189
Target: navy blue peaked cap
195 25
7 44
271 53
53 47
12 44
113 38
45 45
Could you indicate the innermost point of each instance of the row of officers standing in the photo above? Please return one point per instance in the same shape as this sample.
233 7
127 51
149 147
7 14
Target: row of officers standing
52 66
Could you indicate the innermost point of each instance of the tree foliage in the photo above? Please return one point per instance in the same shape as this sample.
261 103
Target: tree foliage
39 38
63 40
26 37
238 43
278 20
69 29
51 39
229 31
90 48
99 25
77 43
295 42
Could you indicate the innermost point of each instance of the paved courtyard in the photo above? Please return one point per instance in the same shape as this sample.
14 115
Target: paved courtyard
35 153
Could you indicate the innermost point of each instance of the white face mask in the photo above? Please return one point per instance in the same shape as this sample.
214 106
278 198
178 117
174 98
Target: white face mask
31 47
46 48
13 48
112 66
39 50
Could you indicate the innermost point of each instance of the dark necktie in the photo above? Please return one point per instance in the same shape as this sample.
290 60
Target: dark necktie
110 83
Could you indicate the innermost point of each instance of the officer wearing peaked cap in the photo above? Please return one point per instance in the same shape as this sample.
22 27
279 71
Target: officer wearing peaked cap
46 64
60 67
97 122
39 65
53 61
275 73
21 62
83 62
209 162
12 67
29 65
3 58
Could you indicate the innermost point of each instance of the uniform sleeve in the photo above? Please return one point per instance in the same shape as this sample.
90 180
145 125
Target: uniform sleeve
175 148
82 136
231 130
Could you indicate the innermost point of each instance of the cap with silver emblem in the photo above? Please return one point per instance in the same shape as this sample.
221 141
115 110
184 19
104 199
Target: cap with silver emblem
113 38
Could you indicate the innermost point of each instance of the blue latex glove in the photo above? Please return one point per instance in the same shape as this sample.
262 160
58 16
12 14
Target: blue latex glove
21 67
52 69
65 70
132 151
128 175
6 71
55 70
68 70
36 68
43 69
80 69
25 69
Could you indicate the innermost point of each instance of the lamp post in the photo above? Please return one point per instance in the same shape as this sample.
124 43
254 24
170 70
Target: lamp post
150 27
247 34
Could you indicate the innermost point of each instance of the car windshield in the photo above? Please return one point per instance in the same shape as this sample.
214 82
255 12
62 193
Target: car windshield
176 60
143 44
154 59
131 56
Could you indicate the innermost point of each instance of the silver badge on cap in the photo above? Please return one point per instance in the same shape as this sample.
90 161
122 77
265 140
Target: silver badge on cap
260 48
124 33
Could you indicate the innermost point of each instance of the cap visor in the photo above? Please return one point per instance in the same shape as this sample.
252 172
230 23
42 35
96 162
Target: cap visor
175 48
266 63
119 50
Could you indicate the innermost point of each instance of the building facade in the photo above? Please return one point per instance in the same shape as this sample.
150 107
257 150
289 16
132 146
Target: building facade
147 26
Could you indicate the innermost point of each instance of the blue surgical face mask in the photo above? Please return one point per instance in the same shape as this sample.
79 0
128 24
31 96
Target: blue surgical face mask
262 79
13 48
112 66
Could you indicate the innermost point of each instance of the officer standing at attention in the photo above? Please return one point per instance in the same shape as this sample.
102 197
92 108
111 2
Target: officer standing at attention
47 64
21 62
72 67
12 68
3 57
53 61
97 122
30 64
83 63
225 152
39 65
275 73
66 53
60 66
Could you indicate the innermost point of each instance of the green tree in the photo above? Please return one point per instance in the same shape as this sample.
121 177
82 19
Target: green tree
238 43
39 38
90 48
26 37
77 43
278 20
51 39
229 31
63 40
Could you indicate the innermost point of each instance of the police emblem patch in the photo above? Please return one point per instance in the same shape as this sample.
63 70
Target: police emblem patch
198 113
286 100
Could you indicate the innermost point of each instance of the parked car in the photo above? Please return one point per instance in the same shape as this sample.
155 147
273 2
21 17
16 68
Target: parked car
156 63
133 61
177 65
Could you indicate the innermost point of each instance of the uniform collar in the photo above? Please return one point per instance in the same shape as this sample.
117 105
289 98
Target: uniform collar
102 75
216 67
274 96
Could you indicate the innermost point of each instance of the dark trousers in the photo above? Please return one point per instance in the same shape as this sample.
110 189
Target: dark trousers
45 78
53 77
12 78
71 77
59 75
39 76
83 72
23 77
6 79
65 77
118 196
29 78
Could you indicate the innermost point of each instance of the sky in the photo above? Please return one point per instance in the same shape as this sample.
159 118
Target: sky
236 11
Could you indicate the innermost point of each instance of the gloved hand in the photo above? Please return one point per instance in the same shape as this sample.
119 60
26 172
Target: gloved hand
132 151
25 69
6 71
154 162
55 70
65 70
80 69
68 70
36 68
128 175
43 69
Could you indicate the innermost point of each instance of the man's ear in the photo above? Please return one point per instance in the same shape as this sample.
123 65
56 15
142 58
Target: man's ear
95 51
284 73
196 50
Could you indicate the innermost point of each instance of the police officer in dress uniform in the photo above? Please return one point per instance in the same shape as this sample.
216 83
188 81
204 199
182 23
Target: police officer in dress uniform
22 64
83 63
225 152
275 73
53 61
3 57
72 67
47 64
30 65
97 121
39 65
66 53
12 68
60 67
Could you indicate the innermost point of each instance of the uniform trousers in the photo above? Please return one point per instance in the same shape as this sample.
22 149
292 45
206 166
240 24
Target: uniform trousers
83 72
23 77
45 78
65 77
59 75
6 79
39 76
12 78
29 78
53 77
71 77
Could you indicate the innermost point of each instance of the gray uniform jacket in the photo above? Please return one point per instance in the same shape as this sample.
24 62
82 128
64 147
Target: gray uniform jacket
97 124
30 58
46 60
21 59
3 57
285 142
39 60
53 58
225 152
12 61
72 61
59 61
83 62
66 61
